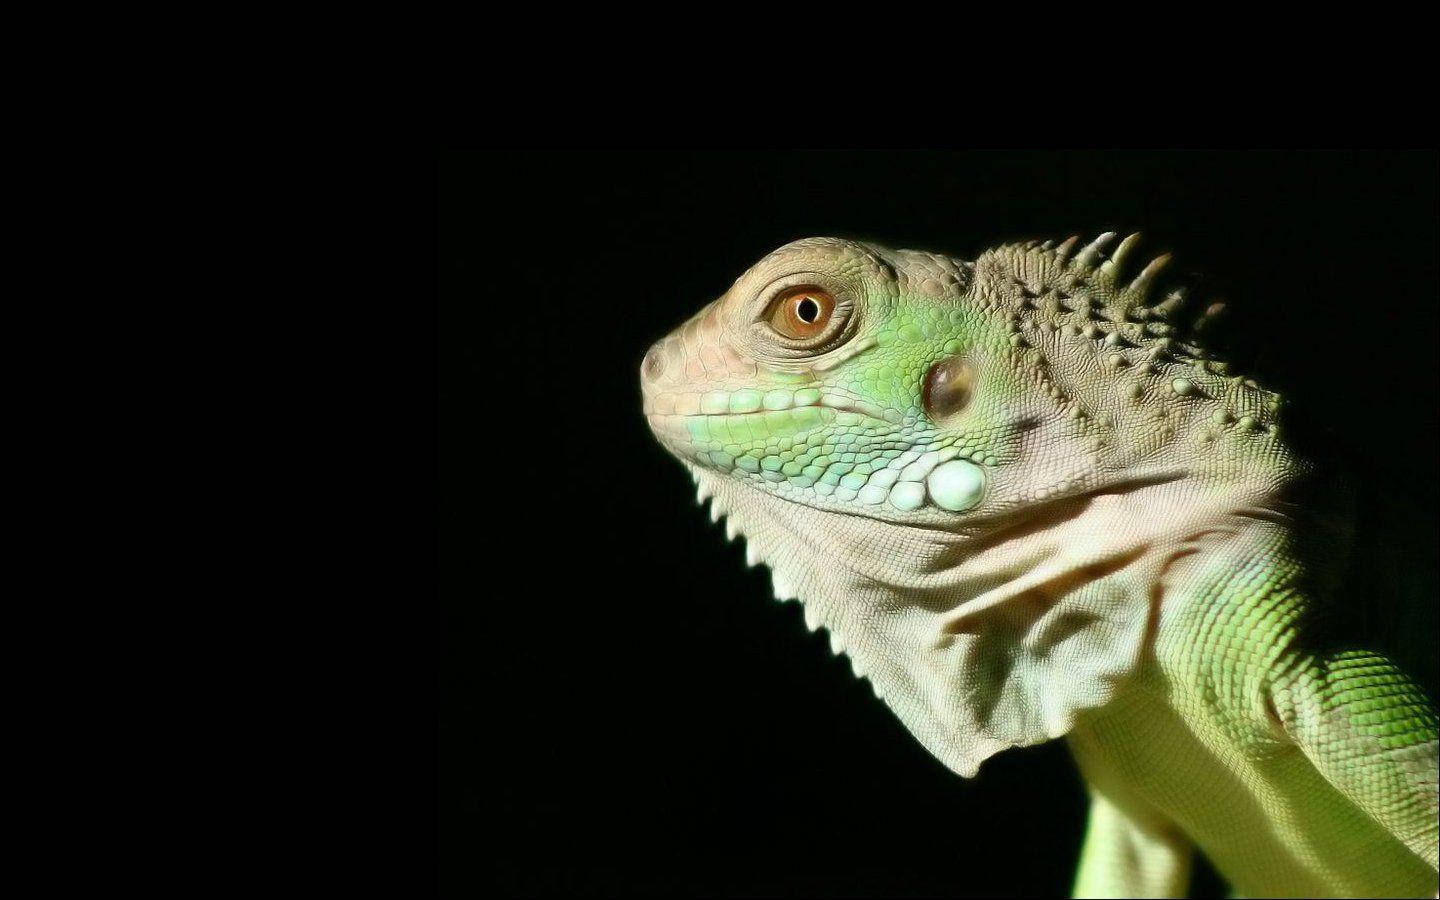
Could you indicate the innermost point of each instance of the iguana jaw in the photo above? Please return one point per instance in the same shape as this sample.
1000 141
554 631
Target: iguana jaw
929 483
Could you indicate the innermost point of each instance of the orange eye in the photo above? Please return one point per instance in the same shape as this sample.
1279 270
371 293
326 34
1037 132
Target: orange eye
802 313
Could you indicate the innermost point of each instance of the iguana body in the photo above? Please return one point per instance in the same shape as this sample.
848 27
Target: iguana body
1026 510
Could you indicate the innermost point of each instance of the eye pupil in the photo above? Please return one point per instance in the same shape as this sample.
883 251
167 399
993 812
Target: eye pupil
803 314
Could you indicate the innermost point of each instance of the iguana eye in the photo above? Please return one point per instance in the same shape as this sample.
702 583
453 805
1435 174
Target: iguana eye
802 313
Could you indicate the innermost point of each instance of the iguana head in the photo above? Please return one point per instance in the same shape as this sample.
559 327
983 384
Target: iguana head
948 463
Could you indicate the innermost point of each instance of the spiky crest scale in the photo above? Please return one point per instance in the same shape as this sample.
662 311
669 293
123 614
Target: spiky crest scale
1049 297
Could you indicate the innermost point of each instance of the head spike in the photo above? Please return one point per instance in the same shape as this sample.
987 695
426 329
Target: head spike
1212 312
1092 252
1063 251
1117 259
1141 285
1171 304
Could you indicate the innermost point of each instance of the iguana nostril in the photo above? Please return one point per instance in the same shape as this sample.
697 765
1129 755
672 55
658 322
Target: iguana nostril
654 364
947 388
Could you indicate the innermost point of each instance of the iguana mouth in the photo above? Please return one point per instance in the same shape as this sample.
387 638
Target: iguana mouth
744 428
753 403
745 417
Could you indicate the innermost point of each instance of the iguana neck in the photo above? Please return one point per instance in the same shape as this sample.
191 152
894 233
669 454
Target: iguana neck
1073 584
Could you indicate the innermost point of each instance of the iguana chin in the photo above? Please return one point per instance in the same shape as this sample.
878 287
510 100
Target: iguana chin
1028 507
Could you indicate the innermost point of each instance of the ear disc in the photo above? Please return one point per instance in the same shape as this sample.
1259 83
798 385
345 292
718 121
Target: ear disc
948 386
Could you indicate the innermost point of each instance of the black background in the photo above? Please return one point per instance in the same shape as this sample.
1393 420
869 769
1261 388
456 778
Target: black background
623 708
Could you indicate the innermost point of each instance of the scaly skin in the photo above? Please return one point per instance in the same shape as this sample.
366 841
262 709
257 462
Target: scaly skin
1026 508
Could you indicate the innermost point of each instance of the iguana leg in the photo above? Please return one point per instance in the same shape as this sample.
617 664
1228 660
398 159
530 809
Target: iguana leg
1372 733
1131 855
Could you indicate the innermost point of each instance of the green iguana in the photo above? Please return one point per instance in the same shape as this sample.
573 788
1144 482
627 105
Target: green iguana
1028 506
